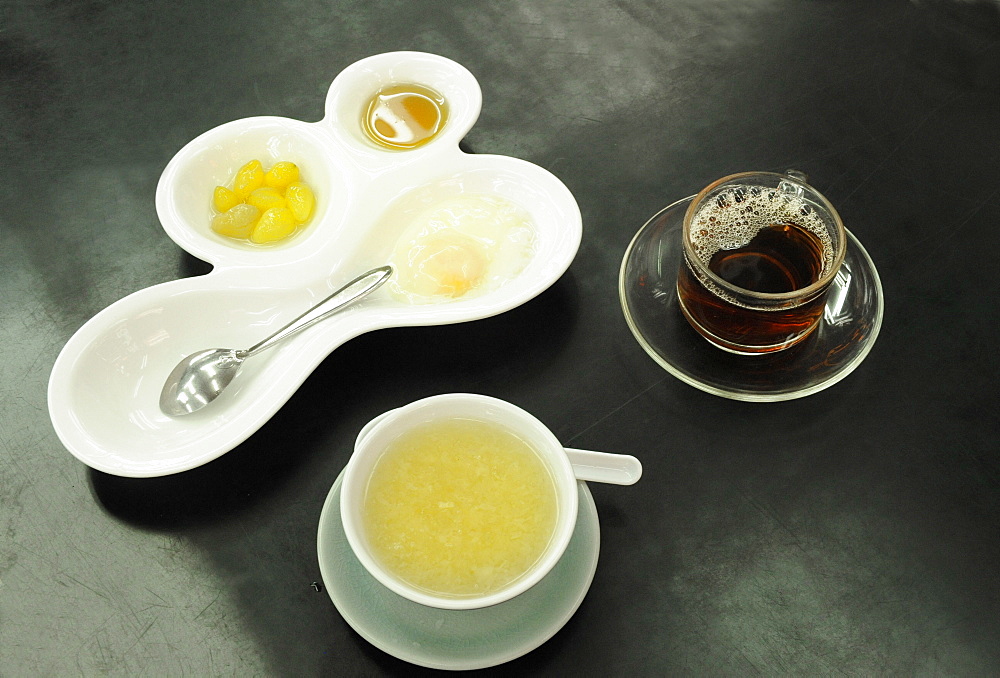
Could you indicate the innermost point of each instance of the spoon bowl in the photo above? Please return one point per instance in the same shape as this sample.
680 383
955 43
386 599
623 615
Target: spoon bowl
199 379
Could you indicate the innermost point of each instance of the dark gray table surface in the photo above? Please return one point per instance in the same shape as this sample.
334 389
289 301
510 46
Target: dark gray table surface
854 531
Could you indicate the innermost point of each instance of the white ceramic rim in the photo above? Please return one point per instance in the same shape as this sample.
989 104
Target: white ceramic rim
388 426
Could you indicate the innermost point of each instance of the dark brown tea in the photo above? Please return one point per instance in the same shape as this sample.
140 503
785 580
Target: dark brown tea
780 258
763 243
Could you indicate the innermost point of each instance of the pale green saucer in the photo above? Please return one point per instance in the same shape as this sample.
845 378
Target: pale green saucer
457 639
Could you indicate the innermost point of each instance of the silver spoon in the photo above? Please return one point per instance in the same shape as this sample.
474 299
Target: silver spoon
201 377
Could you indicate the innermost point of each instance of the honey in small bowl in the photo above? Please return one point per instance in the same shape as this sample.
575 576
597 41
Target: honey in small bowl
404 116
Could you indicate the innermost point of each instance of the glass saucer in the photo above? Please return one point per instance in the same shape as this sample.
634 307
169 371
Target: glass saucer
648 293
456 639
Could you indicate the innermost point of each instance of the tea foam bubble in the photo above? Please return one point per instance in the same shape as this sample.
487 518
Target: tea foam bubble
732 217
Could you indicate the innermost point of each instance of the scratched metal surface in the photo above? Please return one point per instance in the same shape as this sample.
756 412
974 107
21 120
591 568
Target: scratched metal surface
855 531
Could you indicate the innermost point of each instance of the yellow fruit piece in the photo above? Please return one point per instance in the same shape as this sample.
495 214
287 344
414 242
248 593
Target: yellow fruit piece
237 221
275 224
265 198
224 200
281 174
300 201
248 179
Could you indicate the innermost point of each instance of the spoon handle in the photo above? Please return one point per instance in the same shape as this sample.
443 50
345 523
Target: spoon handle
604 467
349 293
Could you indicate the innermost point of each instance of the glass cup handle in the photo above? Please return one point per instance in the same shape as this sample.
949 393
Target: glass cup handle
798 177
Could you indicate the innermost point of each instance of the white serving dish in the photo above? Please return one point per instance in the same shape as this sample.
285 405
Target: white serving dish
105 385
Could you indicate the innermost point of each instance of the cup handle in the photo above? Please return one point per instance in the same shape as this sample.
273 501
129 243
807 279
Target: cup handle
604 467
792 187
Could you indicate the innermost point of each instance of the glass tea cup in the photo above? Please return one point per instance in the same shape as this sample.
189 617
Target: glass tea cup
760 252
559 468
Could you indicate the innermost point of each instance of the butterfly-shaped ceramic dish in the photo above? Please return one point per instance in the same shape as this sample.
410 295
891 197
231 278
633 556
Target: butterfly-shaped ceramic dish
105 385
